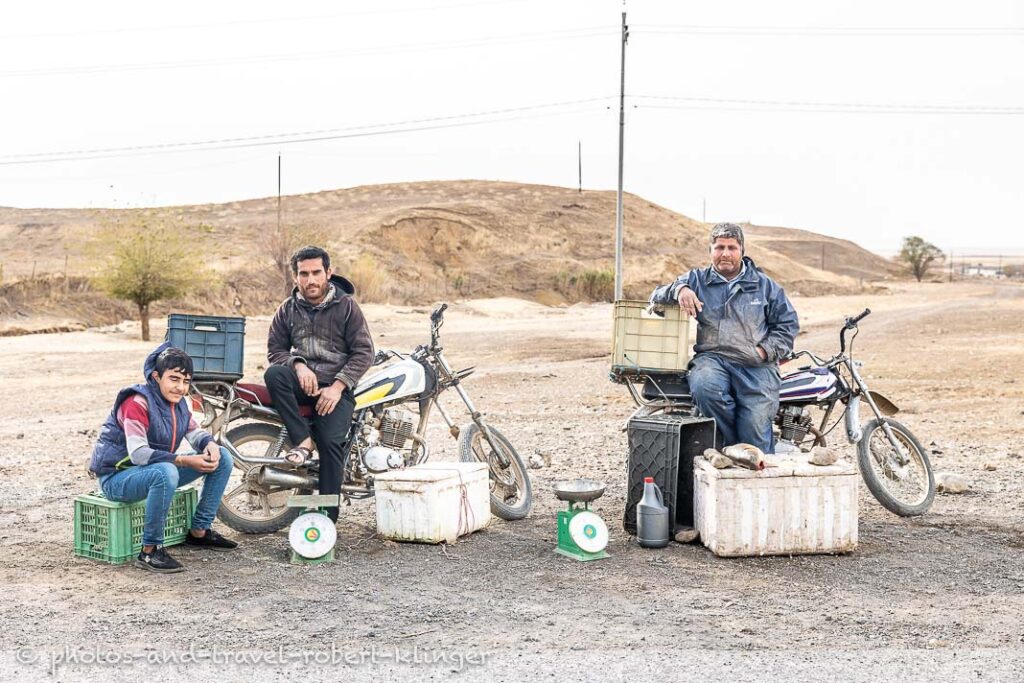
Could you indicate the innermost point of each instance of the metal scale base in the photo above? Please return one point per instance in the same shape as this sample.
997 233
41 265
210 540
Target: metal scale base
312 532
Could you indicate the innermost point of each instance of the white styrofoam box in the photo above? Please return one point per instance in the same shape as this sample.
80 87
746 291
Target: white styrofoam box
433 502
794 508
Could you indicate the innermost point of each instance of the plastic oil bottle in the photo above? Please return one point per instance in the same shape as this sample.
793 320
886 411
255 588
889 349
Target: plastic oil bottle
652 523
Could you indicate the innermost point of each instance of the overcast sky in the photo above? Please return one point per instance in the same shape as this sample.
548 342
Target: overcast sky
866 120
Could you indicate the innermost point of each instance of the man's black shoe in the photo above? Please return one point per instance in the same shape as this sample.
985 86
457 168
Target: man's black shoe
211 539
158 561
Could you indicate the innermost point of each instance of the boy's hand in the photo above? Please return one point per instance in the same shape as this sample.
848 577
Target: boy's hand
198 462
307 379
212 452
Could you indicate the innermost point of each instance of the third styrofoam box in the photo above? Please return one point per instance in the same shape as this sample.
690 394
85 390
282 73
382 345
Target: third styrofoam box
433 502
790 508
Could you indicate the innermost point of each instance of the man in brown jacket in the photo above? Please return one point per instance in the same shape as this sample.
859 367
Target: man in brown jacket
318 348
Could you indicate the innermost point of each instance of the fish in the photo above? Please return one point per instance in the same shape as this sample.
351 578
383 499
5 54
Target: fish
717 460
745 455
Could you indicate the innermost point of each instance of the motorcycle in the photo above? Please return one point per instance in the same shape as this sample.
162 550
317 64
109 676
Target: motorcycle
891 460
388 432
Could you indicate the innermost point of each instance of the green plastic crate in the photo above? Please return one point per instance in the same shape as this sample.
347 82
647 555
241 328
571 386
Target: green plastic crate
111 532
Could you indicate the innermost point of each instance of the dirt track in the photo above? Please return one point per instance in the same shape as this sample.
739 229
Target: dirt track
934 597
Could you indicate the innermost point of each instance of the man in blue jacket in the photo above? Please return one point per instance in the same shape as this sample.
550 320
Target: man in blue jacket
745 325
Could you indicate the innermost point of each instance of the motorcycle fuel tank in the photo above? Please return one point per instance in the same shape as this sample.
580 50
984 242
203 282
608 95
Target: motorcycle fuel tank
810 384
401 380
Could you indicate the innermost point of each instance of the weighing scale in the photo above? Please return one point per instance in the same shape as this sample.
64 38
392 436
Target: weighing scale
312 535
582 535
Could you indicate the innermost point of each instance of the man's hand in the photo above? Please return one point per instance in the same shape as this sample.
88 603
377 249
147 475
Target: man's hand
689 302
329 397
307 379
196 462
761 352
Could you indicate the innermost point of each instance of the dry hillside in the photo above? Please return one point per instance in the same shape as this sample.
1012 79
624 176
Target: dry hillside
429 240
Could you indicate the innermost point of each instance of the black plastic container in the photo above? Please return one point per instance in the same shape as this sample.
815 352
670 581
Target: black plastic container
663 447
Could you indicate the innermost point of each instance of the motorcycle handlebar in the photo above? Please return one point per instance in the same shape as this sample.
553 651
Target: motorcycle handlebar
850 322
438 312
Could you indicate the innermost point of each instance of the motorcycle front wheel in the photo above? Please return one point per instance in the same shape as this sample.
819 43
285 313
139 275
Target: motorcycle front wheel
247 506
906 489
511 492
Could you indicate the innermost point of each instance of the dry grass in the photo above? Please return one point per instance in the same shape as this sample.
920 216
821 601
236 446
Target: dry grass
369 278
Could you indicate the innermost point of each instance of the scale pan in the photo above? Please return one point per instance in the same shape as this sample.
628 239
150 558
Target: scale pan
579 490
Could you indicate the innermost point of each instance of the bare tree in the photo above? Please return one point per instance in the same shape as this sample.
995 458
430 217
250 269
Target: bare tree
919 255
280 242
148 259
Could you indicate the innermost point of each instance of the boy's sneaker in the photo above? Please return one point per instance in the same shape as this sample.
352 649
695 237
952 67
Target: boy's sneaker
158 561
211 539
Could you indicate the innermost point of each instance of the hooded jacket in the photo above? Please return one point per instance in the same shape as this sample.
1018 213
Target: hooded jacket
738 316
331 338
168 426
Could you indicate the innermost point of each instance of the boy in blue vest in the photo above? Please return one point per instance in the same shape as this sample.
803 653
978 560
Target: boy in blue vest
135 456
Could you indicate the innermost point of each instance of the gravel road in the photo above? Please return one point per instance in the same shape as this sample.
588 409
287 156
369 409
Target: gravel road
935 597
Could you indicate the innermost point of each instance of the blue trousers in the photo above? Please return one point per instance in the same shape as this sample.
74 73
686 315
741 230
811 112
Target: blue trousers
156 483
742 400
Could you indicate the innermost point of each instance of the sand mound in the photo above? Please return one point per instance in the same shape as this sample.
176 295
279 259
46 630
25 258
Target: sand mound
413 243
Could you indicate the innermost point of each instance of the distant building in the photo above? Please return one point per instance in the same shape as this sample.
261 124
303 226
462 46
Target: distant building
981 270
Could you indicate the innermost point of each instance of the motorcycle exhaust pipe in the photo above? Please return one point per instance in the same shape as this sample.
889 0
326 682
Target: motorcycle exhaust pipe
271 476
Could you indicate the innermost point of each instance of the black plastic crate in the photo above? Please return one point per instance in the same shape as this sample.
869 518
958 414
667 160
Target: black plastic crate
663 447
215 343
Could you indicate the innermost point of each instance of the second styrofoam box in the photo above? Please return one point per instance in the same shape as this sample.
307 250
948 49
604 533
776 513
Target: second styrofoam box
790 508
433 502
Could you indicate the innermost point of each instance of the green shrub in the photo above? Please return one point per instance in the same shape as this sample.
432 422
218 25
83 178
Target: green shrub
590 284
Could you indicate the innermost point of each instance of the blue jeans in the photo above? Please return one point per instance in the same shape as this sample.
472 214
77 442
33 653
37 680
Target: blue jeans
742 399
156 483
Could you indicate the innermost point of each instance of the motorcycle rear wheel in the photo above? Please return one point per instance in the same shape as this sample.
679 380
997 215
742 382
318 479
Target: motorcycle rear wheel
246 506
906 493
511 491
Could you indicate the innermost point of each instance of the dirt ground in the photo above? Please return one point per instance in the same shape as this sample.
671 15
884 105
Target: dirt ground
940 596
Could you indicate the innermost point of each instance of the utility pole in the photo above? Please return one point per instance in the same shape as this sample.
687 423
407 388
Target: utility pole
950 265
278 194
579 156
622 130
823 256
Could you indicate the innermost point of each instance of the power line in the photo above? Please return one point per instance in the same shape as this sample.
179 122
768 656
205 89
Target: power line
570 34
842 31
762 110
831 107
418 7
192 167
395 127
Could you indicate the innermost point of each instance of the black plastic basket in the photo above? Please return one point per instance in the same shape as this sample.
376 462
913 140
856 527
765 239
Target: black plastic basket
663 447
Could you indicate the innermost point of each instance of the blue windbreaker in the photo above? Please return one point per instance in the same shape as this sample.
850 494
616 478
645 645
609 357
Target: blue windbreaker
752 310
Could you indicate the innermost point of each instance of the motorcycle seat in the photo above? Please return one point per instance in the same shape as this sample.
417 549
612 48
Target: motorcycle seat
674 386
259 394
